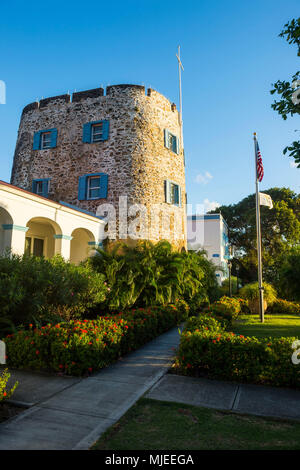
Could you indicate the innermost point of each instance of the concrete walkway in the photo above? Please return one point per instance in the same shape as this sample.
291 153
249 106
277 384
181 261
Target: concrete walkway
69 413
258 400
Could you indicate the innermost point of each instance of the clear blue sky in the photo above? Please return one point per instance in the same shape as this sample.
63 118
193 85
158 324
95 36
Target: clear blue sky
231 54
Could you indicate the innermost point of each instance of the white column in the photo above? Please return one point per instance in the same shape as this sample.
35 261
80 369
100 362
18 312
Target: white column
63 246
14 238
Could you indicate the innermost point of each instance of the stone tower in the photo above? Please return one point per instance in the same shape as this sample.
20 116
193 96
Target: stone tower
94 147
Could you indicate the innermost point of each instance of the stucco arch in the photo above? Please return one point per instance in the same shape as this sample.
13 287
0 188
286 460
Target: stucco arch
43 237
81 244
6 222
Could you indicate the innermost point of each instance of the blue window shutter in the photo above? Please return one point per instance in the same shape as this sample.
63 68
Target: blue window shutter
167 191
176 195
37 141
177 145
34 186
103 186
87 133
166 133
82 188
45 188
53 138
179 196
105 130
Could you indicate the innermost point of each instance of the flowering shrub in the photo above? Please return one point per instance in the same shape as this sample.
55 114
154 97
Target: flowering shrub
224 355
284 306
203 322
80 347
4 393
226 308
243 305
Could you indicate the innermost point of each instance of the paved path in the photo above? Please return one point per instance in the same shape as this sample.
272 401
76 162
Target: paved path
258 400
70 413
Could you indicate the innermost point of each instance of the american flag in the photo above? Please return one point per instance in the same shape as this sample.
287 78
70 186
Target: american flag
259 164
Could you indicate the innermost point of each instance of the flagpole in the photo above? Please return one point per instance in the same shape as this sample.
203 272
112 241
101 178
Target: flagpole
258 231
180 67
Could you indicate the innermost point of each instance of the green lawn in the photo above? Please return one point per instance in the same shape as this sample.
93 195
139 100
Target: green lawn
158 425
275 325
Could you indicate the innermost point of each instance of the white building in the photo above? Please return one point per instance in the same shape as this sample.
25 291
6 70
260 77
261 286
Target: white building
210 232
33 224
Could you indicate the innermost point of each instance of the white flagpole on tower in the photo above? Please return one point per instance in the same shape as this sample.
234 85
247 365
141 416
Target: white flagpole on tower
258 231
180 66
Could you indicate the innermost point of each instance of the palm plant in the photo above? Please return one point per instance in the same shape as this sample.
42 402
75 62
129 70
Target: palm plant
149 274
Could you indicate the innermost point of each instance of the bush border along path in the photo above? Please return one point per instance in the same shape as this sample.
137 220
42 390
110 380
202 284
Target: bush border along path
206 348
81 347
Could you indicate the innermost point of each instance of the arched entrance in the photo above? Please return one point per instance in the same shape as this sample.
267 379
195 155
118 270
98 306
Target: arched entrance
41 237
81 244
6 223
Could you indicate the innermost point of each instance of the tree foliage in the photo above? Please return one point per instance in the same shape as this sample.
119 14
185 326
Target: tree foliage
280 229
289 92
289 276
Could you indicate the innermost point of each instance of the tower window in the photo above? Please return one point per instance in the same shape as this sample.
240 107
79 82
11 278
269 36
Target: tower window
41 187
45 139
92 186
171 141
97 132
172 193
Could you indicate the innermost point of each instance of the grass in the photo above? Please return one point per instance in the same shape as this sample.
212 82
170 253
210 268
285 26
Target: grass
275 326
158 425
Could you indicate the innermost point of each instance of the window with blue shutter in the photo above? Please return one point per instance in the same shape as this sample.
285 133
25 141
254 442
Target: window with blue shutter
171 141
41 187
96 131
93 186
172 193
45 139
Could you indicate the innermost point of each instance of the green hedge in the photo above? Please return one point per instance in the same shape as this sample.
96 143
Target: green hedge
80 347
284 306
209 350
39 290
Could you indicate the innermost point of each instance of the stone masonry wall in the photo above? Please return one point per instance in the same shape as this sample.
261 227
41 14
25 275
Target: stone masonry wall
134 156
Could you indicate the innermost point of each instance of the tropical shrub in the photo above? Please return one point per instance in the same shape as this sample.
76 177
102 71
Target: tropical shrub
4 392
152 274
221 354
80 347
37 290
251 292
284 306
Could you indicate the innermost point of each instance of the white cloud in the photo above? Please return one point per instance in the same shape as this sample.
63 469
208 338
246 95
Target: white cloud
210 205
203 179
293 164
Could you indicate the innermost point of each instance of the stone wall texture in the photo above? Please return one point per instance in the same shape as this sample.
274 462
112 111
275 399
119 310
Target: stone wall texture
134 156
